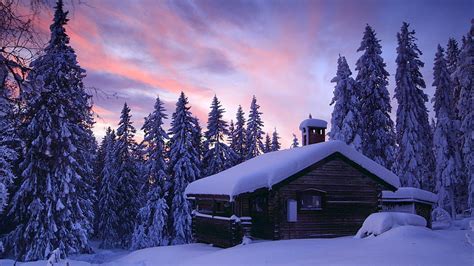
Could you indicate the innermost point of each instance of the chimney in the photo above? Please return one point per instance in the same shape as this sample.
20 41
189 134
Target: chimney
313 130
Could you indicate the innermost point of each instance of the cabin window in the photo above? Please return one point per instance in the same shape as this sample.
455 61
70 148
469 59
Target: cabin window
222 208
259 204
311 200
291 210
205 206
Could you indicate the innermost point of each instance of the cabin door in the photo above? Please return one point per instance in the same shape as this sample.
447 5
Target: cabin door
259 214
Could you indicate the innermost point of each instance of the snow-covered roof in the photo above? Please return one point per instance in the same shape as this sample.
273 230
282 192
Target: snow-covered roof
268 169
409 193
312 122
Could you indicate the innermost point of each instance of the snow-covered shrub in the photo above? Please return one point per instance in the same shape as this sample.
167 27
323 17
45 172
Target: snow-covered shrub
441 218
378 223
54 258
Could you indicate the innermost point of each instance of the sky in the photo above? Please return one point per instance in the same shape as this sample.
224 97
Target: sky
283 52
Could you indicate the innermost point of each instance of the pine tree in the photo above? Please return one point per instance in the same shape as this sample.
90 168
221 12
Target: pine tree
108 219
465 106
9 141
295 143
452 55
378 139
184 169
51 208
414 159
461 189
444 140
218 155
198 143
268 144
151 227
276 145
346 124
128 182
238 139
254 134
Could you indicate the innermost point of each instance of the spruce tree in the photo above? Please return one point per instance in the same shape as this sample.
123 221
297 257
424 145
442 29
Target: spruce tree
51 207
200 146
452 55
108 218
9 140
378 139
346 124
128 182
276 145
218 155
444 140
268 144
254 134
151 228
238 139
295 143
465 106
461 189
183 165
414 160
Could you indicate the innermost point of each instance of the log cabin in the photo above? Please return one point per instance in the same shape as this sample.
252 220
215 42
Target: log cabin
322 189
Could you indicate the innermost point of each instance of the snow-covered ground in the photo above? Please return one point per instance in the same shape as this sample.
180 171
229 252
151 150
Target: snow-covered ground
405 245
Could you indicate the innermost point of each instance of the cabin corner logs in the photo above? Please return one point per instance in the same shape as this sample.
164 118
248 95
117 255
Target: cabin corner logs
342 193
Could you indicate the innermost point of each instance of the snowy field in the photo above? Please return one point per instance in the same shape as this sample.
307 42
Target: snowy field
406 245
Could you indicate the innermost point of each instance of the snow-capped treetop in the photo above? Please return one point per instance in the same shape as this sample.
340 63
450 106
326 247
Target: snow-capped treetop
295 143
239 136
254 135
346 124
275 141
218 155
268 169
378 140
414 160
452 55
155 137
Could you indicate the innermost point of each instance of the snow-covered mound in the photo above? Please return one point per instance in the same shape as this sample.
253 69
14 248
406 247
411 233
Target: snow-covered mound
378 223
269 169
404 245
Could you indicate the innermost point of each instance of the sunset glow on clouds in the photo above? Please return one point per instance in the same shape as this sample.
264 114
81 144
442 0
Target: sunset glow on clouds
284 52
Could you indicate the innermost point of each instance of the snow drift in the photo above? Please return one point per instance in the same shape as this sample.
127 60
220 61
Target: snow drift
378 223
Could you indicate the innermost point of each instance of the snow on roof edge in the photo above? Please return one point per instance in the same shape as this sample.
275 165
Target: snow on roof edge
410 193
313 122
269 169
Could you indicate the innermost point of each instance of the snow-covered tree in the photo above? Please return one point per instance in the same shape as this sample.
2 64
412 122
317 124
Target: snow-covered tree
198 143
378 139
254 134
219 156
444 140
51 207
414 160
183 165
295 143
465 75
108 218
452 55
151 228
346 124
268 144
7 156
127 179
461 189
238 138
276 145
9 141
